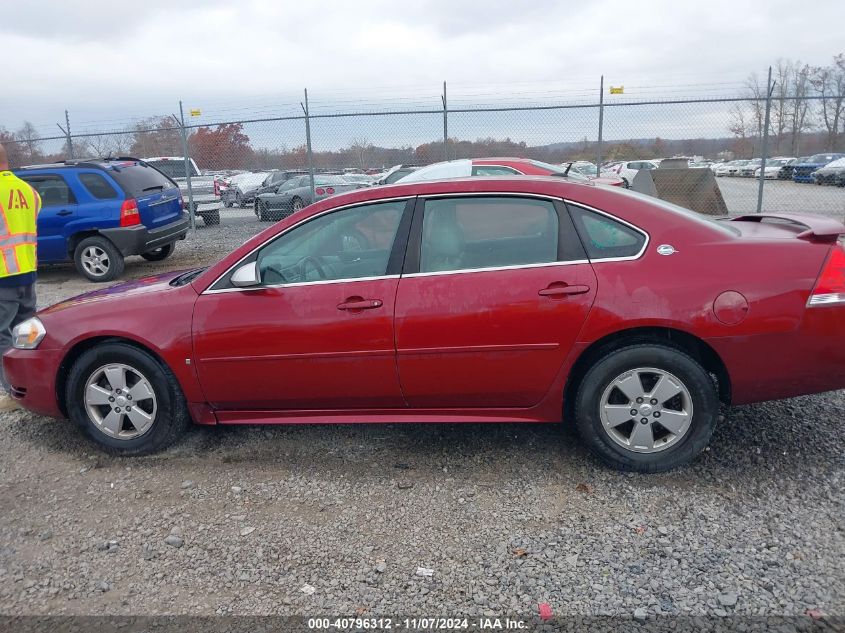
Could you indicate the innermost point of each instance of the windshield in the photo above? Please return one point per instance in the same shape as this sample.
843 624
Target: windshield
138 179
173 168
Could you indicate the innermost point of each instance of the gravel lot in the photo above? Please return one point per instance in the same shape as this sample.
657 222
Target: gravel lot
248 520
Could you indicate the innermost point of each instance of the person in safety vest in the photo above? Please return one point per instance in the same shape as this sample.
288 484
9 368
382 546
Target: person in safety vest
19 207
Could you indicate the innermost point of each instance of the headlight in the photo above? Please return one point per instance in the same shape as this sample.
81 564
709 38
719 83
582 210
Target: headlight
29 334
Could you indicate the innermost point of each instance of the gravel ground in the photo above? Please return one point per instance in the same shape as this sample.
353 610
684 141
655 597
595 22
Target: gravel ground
250 520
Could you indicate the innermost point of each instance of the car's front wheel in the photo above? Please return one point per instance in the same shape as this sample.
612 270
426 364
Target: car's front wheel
647 408
125 399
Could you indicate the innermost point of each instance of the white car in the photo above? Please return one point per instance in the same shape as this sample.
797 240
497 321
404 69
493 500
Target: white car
628 169
730 168
773 166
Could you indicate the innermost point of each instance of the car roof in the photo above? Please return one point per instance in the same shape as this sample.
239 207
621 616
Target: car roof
96 163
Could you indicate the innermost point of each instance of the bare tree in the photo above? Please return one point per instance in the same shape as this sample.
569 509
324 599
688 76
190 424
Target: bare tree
360 147
829 83
742 127
29 137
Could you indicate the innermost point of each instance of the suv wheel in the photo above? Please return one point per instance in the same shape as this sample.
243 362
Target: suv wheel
125 399
158 254
97 259
647 408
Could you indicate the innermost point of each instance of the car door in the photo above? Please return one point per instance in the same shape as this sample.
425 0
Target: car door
494 292
317 332
59 208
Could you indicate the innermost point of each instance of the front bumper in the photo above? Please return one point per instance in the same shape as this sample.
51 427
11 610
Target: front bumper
134 240
32 376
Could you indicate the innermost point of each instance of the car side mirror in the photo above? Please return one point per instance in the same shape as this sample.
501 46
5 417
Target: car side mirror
246 276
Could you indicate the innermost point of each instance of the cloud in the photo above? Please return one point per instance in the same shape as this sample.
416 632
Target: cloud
109 62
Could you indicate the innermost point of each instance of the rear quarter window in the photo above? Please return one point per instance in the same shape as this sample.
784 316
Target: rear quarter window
603 237
137 179
98 186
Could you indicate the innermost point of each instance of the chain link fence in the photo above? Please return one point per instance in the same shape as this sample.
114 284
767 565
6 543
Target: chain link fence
743 153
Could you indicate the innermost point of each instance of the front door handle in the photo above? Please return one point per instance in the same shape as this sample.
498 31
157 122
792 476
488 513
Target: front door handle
64 212
355 304
563 290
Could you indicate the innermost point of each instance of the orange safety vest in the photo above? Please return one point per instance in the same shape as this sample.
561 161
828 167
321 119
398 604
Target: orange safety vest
19 208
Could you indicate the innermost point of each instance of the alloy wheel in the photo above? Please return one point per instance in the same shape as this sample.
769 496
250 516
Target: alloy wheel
646 410
120 401
96 261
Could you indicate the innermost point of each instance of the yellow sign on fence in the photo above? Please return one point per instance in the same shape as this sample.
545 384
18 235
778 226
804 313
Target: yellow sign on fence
196 112
617 90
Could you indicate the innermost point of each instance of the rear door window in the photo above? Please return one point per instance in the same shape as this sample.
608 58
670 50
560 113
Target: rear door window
52 188
98 186
471 233
493 170
138 179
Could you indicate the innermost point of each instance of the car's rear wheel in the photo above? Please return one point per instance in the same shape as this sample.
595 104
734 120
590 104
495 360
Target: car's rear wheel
160 253
646 408
125 399
297 204
262 211
97 259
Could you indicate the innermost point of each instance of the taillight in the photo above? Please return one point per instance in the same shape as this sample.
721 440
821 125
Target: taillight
320 191
216 188
129 215
329 190
830 286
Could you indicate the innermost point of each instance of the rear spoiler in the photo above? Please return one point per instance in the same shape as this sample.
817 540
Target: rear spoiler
815 227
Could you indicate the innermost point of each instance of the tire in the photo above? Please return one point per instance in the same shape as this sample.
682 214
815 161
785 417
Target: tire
228 204
641 364
296 204
212 218
97 259
166 409
238 201
158 254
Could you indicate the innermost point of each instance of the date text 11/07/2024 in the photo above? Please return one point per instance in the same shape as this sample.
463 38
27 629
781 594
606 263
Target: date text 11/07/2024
418 624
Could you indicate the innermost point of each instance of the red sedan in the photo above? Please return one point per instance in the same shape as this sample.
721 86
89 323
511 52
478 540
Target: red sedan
483 299
507 166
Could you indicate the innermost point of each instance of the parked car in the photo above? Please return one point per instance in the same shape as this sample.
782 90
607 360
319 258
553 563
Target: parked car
274 179
831 174
803 172
731 168
97 212
750 166
507 166
395 173
204 189
242 188
590 172
362 179
478 299
774 167
296 193
628 170
785 172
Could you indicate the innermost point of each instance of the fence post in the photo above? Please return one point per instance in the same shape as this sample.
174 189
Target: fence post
308 144
601 125
445 124
770 88
191 207
66 131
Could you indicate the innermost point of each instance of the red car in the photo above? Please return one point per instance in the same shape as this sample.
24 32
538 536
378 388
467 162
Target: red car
465 167
474 300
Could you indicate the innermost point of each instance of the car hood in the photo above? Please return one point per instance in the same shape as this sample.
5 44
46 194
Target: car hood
145 285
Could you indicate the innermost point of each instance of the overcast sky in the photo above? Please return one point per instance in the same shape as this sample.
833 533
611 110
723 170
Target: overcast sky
108 62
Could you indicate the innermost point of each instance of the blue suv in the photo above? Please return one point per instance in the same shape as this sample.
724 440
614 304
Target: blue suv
803 172
97 212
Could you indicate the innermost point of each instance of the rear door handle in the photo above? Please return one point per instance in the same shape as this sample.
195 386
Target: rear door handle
355 303
563 290
64 212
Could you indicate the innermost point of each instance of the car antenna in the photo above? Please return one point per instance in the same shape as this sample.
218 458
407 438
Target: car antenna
568 167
